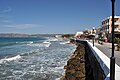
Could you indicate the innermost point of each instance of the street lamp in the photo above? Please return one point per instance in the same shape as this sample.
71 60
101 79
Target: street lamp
112 58
107 34
108 30
93 33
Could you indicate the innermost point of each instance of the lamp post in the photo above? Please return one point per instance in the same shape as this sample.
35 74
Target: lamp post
107 34
108 30
112 58
93 33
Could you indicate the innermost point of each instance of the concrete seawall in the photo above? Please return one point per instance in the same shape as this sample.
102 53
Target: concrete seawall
88 63
94 67
83 65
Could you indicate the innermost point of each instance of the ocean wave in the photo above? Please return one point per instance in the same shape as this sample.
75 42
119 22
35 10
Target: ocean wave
46 42
7 44
67 42
30 52
39 45
47 45
10 59
14 43
27 42
36 61
52 39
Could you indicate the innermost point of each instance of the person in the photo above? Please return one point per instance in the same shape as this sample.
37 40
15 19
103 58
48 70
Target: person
105 38
100 41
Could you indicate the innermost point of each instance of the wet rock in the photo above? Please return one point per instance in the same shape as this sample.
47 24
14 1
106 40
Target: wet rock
75 68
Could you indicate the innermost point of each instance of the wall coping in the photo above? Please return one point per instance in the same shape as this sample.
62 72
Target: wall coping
104 62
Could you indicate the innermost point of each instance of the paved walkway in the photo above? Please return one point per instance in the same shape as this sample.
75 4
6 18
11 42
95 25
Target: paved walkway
106 48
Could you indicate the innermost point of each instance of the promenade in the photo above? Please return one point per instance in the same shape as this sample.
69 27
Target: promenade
97 62
106 48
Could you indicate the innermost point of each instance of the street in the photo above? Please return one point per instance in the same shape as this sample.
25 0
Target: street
106 48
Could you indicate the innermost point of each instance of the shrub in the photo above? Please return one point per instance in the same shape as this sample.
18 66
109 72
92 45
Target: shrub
68 35
118 46
117 40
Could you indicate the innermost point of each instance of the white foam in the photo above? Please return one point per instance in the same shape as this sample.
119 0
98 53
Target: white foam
31 42
57 79
17 42
67 42
52 39
46 42
17 73
40 45
47 45
42 69
10 59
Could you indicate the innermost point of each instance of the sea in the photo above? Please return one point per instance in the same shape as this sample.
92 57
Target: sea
33 58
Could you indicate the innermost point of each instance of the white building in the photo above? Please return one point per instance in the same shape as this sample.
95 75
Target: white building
78 34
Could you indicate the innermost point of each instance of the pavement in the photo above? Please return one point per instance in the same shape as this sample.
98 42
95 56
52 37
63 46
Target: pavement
106 48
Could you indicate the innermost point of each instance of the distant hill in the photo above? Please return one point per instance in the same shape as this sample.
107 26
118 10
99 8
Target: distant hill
26 35
14 35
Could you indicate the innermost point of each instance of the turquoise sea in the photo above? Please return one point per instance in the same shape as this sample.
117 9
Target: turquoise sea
33 58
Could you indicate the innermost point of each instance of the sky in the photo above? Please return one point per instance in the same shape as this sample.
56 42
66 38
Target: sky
53 16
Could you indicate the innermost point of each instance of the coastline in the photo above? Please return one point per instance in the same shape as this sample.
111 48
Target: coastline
75 68
34 58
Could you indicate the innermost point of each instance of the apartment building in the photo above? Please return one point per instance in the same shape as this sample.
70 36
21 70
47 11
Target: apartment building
107 25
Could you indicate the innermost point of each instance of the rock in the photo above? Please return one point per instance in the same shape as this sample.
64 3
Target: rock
71 71
79 74
75 68
65 67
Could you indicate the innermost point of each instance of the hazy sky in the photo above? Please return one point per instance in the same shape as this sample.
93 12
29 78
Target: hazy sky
53 16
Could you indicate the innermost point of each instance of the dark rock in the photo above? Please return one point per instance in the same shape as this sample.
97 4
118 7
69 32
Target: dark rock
75 68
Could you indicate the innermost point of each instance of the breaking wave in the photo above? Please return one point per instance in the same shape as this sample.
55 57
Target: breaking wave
34 60
67 42
30 42
10 59
52 39
44 44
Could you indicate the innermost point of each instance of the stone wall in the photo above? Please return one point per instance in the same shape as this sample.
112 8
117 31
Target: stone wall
75 68
83 65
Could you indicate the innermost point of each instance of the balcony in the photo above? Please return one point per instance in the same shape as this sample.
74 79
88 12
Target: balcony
104 30
117 29
106 24
117 23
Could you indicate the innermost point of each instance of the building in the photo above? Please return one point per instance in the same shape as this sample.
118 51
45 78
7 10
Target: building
107 26
98 30
58 36
78 34
90 31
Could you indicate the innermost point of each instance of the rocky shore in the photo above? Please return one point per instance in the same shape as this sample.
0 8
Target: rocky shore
75 68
